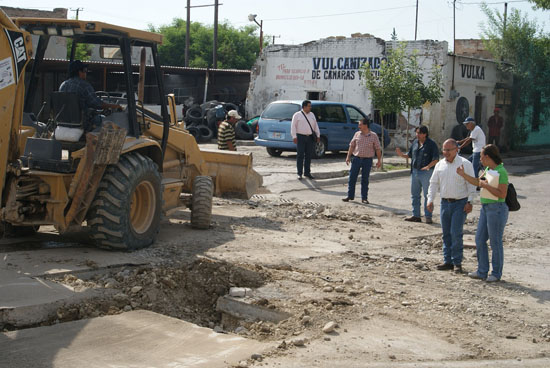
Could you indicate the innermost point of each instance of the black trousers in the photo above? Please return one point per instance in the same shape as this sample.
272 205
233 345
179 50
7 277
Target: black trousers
305 151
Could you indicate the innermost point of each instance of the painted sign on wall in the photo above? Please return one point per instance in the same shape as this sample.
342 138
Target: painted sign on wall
345 68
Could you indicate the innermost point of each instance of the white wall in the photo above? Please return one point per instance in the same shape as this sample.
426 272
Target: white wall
327 66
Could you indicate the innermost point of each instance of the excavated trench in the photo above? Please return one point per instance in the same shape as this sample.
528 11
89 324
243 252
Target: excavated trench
187 291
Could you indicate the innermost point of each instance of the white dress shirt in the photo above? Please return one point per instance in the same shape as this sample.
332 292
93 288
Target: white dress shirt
451 185
299 124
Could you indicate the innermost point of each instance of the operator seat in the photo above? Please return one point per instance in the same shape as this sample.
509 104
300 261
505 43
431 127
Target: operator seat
69 119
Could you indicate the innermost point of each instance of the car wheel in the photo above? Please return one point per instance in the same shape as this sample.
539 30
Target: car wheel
320 148
274 152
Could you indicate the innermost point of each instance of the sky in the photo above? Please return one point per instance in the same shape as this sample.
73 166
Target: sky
295 22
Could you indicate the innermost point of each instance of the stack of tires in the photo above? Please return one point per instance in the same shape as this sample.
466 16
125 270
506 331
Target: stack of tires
202 121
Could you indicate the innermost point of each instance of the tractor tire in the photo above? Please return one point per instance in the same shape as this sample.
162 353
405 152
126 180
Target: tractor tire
201 202
126 211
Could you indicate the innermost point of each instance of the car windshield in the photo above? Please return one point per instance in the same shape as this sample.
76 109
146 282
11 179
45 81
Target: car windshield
280 111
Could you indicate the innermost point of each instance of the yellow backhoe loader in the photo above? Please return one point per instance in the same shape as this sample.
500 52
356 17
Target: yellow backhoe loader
117 179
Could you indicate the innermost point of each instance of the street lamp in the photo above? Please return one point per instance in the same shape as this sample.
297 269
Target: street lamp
252 18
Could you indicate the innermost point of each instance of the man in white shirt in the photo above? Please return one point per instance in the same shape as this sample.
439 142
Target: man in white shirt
477 138
305 133
456 202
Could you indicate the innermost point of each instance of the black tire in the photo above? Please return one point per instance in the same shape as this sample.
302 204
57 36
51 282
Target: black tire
243 130
195 114
201 202
205 134
274 152
228 106
195 132
320 148
126 211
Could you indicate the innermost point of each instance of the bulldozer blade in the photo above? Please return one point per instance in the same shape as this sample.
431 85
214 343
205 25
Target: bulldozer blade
232 173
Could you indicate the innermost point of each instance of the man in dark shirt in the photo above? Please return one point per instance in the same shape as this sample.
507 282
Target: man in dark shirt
86 94
425 155
495 124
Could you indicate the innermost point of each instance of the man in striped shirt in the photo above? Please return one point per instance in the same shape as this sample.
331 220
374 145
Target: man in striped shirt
456 202
226 132
362 148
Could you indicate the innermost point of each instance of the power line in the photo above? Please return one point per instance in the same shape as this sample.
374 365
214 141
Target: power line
340 14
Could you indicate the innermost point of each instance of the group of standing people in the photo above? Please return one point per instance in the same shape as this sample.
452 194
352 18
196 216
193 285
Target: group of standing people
456 180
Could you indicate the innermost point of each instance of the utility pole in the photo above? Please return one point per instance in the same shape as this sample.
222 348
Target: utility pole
215 51
215 48
416 21
76 11
187 29
274 37
505 13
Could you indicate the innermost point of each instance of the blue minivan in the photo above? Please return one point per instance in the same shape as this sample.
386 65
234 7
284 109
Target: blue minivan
337 123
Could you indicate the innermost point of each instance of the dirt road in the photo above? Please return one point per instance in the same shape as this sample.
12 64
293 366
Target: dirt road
361 267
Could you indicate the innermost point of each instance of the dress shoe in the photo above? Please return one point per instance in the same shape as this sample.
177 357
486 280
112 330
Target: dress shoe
309 176
458 269
429 220
365 201
347 199
413 219
476 275
445 267
492 278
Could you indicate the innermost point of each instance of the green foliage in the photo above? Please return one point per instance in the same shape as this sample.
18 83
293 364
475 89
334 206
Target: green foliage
399 82
543 4
237 48
523 50
83 50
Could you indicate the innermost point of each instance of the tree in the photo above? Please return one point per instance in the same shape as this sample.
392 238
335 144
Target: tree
399 83
522 50
83 50
386 84
394 35
543 4
237 48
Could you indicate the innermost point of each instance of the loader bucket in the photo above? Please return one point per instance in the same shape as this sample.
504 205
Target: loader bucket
232 173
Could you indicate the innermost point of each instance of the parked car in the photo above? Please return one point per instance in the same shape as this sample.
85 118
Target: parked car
337 123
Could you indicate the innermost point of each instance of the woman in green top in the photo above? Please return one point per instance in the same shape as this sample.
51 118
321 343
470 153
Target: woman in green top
493 215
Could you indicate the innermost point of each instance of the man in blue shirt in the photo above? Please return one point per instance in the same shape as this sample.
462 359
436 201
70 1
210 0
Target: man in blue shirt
86 94
425 155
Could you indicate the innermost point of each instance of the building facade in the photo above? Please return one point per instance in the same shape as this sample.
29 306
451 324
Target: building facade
329 69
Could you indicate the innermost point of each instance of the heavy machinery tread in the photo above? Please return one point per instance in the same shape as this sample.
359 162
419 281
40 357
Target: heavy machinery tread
113 204
115 182
95 221
201 202
127 172
108 215
116 234
108 197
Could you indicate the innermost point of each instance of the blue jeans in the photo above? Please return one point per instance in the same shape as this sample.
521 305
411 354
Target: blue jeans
363 164
474 159
420 182
305 150
452 223
492 219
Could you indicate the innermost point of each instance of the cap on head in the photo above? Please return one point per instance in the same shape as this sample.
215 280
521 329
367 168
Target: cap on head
496 109
234 114
469 119
76 66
